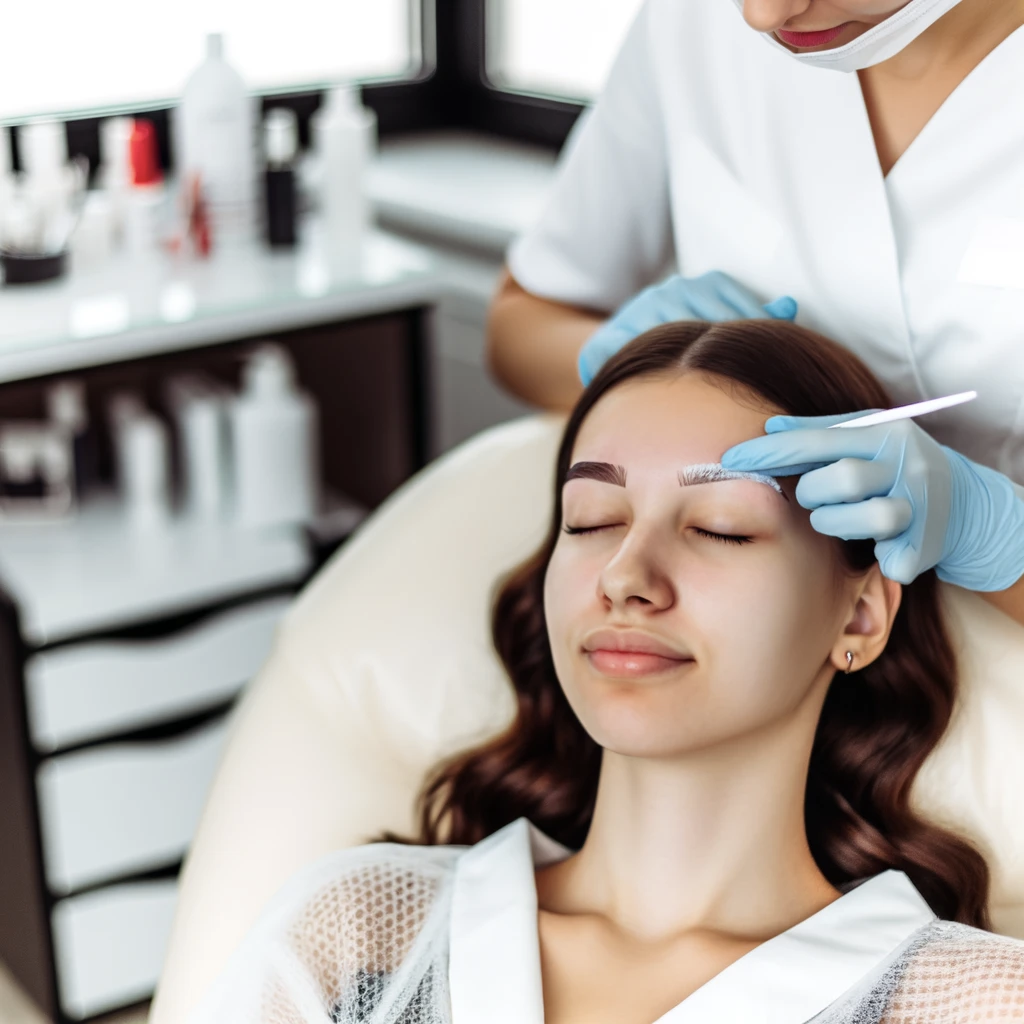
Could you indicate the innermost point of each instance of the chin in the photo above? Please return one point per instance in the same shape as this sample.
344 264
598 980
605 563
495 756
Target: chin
634 722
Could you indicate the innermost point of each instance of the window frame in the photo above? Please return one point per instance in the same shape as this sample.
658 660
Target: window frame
450 93
461 27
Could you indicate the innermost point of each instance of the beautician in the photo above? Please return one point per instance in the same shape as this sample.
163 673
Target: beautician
857 164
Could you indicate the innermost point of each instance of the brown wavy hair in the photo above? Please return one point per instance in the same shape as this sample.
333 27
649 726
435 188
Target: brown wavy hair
877 725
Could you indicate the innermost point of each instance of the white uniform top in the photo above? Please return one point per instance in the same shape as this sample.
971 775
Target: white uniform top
710 150
387 934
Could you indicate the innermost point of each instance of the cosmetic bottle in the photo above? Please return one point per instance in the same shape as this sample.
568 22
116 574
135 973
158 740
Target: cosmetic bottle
215 140
344 139
274 442
66 407
44 152
115 174
143 462
145 207
95 237
280 145
198 406
48 184
44 158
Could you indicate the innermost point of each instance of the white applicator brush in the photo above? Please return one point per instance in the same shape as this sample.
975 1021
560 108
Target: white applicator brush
903 412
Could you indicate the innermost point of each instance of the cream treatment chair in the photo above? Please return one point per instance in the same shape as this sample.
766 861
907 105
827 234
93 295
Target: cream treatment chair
385 665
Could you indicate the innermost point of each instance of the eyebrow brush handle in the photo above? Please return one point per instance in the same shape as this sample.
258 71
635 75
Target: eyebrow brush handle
903 412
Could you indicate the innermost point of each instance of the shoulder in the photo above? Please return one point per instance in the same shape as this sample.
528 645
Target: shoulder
345 884
957 973
338 930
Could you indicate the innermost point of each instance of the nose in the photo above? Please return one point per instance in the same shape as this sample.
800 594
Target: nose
635 577
768 15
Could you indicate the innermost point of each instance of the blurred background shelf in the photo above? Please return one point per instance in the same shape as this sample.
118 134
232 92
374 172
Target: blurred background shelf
121 652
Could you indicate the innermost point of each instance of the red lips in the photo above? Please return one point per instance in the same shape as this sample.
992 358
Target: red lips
805 39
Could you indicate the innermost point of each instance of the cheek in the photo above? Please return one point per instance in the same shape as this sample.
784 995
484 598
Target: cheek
567 583
765 623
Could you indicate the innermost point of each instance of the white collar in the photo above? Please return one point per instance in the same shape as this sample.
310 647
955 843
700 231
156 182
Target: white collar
494 966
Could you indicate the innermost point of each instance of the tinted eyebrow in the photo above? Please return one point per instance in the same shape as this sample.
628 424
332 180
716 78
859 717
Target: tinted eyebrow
603 472
712 472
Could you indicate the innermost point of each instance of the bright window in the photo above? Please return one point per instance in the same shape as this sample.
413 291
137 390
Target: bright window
555 47
70 56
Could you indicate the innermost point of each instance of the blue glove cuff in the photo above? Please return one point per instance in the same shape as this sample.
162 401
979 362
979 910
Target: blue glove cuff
984 548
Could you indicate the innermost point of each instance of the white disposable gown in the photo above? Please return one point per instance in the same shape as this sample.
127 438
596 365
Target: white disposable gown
389 934
710 150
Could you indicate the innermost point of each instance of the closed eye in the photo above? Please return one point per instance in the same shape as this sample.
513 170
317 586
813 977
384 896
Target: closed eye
586 529
725 538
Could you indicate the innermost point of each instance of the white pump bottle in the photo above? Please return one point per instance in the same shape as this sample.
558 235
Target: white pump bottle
274 436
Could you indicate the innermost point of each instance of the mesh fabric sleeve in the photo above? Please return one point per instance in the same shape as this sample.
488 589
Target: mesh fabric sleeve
605 229
947 973
358 937
961 974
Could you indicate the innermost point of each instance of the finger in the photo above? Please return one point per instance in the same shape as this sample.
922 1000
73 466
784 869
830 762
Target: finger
847 480
586 367
793 447
899 560
874 519
782 308
776 424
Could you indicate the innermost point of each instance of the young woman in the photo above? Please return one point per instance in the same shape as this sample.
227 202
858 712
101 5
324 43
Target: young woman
700 812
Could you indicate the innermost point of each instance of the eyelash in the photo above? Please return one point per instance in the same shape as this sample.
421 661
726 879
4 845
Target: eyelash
724 538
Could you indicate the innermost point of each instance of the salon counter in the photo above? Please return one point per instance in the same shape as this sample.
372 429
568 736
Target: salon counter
131 309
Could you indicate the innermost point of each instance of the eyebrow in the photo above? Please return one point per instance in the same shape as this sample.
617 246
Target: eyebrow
698 473
603 472
712 472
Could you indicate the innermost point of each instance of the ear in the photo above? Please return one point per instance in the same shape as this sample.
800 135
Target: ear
877 599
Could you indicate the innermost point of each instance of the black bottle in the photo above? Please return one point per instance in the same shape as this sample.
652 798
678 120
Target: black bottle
280 135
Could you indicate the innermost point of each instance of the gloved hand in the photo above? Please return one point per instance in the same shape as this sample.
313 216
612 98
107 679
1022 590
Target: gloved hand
712 296
925 504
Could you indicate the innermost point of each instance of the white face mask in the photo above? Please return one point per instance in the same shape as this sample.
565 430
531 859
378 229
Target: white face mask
880 43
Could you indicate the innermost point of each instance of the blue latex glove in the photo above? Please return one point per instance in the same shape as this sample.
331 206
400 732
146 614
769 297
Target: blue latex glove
925 504
712 296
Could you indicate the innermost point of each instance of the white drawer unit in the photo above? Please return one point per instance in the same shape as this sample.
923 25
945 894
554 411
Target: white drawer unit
121 808
109 945
87 691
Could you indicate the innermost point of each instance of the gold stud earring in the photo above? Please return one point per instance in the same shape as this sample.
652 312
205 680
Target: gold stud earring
849 661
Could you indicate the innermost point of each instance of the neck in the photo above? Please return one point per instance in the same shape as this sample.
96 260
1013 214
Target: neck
713 840
961 37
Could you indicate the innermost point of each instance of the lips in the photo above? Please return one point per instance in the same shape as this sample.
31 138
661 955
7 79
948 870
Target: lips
632 653
805 39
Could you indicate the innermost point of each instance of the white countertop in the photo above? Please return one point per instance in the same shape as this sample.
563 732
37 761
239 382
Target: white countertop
139 308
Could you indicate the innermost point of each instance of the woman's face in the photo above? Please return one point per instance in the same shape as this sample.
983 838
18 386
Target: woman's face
805 26
689 614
